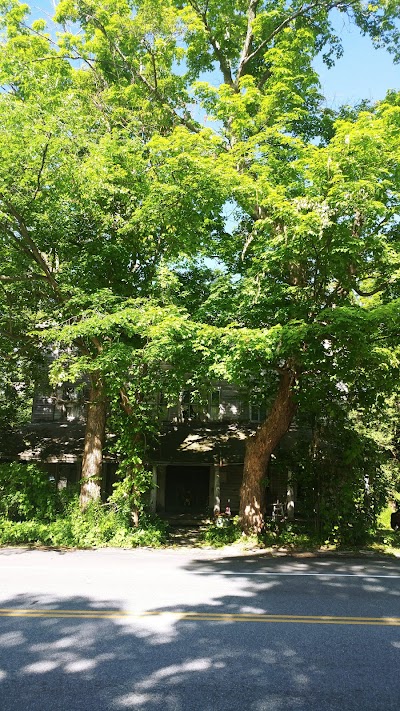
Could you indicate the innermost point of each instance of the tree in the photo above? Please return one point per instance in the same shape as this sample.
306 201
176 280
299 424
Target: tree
321 257
316 221
94 217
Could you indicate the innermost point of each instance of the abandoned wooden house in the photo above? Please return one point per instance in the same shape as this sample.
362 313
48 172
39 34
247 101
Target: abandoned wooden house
196 461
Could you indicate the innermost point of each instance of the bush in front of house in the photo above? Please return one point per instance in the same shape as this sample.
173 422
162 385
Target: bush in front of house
34 512
289 535
99 526
222 532
102 525
27 493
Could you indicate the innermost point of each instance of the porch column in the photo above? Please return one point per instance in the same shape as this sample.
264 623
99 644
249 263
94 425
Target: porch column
290 497
160 491
104 478
217 490
153 491
78 471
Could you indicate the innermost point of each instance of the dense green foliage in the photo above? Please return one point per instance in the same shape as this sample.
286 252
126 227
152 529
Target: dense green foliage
34 511
96 529
218 535
120 158
26 492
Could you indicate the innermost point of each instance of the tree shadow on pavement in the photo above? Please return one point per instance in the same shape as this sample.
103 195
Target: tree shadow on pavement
166 662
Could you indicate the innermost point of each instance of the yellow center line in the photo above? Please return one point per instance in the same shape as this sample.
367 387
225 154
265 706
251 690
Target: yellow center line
200 616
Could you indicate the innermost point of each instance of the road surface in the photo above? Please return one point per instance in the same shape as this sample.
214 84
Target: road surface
197 630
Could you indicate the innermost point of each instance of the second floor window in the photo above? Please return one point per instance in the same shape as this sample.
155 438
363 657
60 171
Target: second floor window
258 413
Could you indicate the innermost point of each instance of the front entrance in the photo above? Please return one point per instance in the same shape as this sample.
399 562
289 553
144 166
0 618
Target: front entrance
187 489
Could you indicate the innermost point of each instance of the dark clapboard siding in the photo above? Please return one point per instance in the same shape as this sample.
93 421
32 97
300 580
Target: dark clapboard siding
230 483
43 409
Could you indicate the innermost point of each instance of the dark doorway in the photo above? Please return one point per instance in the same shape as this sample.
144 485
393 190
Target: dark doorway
186 489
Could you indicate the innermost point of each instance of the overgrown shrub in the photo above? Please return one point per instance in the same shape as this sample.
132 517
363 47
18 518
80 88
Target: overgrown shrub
217 535
33 511
99 525
288 534
27 493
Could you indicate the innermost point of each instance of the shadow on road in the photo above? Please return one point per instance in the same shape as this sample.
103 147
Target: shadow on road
162 662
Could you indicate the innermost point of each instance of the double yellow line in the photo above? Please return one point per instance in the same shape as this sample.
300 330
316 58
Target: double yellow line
200 616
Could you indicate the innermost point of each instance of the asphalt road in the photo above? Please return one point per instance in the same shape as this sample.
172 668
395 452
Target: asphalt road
197 630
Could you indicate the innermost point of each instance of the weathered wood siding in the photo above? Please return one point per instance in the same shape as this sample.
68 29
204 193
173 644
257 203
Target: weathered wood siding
230 482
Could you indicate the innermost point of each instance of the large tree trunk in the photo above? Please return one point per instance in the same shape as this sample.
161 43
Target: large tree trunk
94 442
258 451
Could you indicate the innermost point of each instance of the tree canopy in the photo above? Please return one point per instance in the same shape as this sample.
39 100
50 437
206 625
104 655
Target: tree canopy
113 196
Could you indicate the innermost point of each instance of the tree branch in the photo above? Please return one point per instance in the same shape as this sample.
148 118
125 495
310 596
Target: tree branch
74 57
42 164
188 122
299 13
251 16
28 277
30 247
264 78
374 291
338 290
125 402
32 251
153 64
222 60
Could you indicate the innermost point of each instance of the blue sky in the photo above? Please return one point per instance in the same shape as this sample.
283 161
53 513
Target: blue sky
362 73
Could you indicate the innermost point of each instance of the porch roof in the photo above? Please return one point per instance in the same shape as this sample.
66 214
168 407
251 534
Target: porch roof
212 443
45 441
